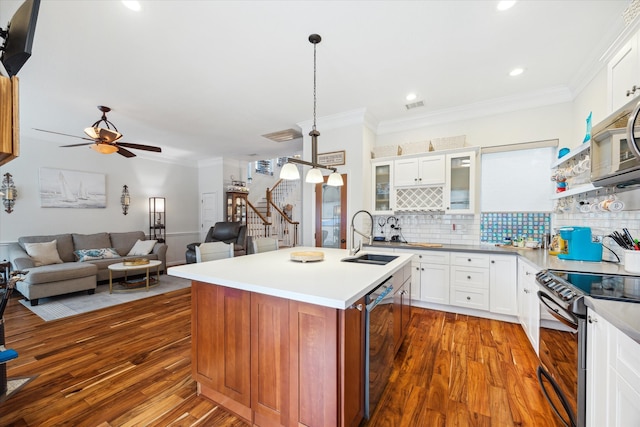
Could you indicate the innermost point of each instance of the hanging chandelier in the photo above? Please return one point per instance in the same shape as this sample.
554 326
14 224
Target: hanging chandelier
314 176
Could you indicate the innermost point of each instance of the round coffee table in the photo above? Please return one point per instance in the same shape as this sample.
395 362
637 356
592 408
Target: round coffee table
127 268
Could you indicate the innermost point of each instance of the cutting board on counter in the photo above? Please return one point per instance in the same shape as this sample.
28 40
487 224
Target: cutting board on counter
426 245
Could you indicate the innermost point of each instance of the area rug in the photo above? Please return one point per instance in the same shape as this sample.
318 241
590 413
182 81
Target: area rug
62 306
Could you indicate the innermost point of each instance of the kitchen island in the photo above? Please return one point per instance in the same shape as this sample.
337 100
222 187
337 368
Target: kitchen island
280 342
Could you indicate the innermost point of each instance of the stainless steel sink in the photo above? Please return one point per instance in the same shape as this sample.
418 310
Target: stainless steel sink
376 259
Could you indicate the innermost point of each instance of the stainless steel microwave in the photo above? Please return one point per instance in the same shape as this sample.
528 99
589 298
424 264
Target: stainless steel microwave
615 148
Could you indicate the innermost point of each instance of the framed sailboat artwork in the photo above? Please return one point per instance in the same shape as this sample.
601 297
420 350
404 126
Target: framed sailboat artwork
60 188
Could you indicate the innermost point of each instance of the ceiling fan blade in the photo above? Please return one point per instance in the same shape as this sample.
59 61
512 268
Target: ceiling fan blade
63 134
125 152
140 147
78 145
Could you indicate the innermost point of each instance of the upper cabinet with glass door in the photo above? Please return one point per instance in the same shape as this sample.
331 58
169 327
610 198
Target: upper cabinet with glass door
383 191
460 185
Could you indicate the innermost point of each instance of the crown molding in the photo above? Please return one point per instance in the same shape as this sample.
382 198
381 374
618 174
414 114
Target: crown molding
549 96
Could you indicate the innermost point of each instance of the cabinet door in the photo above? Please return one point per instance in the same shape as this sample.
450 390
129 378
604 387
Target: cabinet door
434 283
352 343
415 279
597 371
406 172
313 332
269 360
503 284
432 170
529 308
383 191
624 374
460 185
221 344
623 74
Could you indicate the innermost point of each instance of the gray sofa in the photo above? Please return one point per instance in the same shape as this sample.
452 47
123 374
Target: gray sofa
73 276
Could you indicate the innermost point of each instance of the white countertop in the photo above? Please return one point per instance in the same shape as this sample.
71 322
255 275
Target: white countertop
329 283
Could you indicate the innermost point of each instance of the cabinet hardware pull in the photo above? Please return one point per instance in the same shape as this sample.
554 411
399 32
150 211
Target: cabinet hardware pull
493 261
593 319
469 277
469 259
357 307
468 298
526 291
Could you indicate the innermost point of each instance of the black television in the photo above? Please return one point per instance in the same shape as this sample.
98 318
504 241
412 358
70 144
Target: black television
19 37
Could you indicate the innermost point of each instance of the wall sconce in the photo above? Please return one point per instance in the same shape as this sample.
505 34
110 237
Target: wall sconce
125 200
9 193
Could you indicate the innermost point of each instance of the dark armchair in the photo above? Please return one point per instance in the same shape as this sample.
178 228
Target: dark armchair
228 232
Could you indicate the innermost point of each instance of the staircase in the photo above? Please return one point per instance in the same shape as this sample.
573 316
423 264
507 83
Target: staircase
272 215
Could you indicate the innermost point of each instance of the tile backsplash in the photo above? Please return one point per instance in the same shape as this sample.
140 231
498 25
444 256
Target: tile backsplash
496 226
468 229
432 228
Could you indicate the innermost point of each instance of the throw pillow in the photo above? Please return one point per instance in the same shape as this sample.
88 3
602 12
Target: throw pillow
45 253
93 254
142 247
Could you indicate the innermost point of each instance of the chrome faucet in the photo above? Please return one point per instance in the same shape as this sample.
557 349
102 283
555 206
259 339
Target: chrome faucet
353 249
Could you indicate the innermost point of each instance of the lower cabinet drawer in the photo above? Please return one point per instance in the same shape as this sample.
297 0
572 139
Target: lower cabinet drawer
470 276
469 297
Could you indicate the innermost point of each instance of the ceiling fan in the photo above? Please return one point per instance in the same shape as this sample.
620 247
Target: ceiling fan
105 139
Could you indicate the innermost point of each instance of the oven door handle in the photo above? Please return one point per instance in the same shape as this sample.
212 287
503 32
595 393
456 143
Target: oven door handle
632 142
571 422
559 313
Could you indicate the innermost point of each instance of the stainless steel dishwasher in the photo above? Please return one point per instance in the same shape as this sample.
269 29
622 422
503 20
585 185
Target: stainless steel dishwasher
379 336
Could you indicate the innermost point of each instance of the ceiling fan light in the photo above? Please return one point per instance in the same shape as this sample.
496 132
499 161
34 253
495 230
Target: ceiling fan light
104 148
289 171
314 176
92 132
335 180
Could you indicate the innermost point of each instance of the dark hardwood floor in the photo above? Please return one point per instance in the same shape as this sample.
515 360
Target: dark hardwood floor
129 365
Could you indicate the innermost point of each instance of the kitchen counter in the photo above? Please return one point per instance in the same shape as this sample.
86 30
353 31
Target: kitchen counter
625 316
540 258
328 283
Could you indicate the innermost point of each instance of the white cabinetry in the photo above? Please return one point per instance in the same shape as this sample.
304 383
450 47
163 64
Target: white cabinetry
460 183
469 285
463 282
431 272
382 185
528 305
613 375
420 171
623 75
503 287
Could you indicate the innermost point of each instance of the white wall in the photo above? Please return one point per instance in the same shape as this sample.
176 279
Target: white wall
145 178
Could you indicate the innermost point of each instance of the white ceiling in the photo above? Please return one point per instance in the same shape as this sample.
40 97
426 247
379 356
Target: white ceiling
206 79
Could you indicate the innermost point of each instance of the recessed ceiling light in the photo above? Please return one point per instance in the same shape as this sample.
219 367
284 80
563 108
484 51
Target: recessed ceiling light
505 4
132 4
411 96
516 72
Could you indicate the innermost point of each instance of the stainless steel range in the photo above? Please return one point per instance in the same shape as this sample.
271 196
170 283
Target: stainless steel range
562 373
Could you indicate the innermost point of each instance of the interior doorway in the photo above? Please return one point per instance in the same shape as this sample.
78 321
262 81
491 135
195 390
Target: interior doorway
331 215
209 213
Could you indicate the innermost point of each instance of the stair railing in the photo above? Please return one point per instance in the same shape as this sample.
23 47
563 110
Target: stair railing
286 229
257 224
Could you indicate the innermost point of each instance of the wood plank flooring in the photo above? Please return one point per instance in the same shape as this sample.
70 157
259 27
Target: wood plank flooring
129 365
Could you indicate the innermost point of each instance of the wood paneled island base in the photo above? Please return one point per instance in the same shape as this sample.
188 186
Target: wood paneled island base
278 362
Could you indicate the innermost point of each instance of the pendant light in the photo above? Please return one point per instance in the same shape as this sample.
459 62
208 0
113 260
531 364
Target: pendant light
314 176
